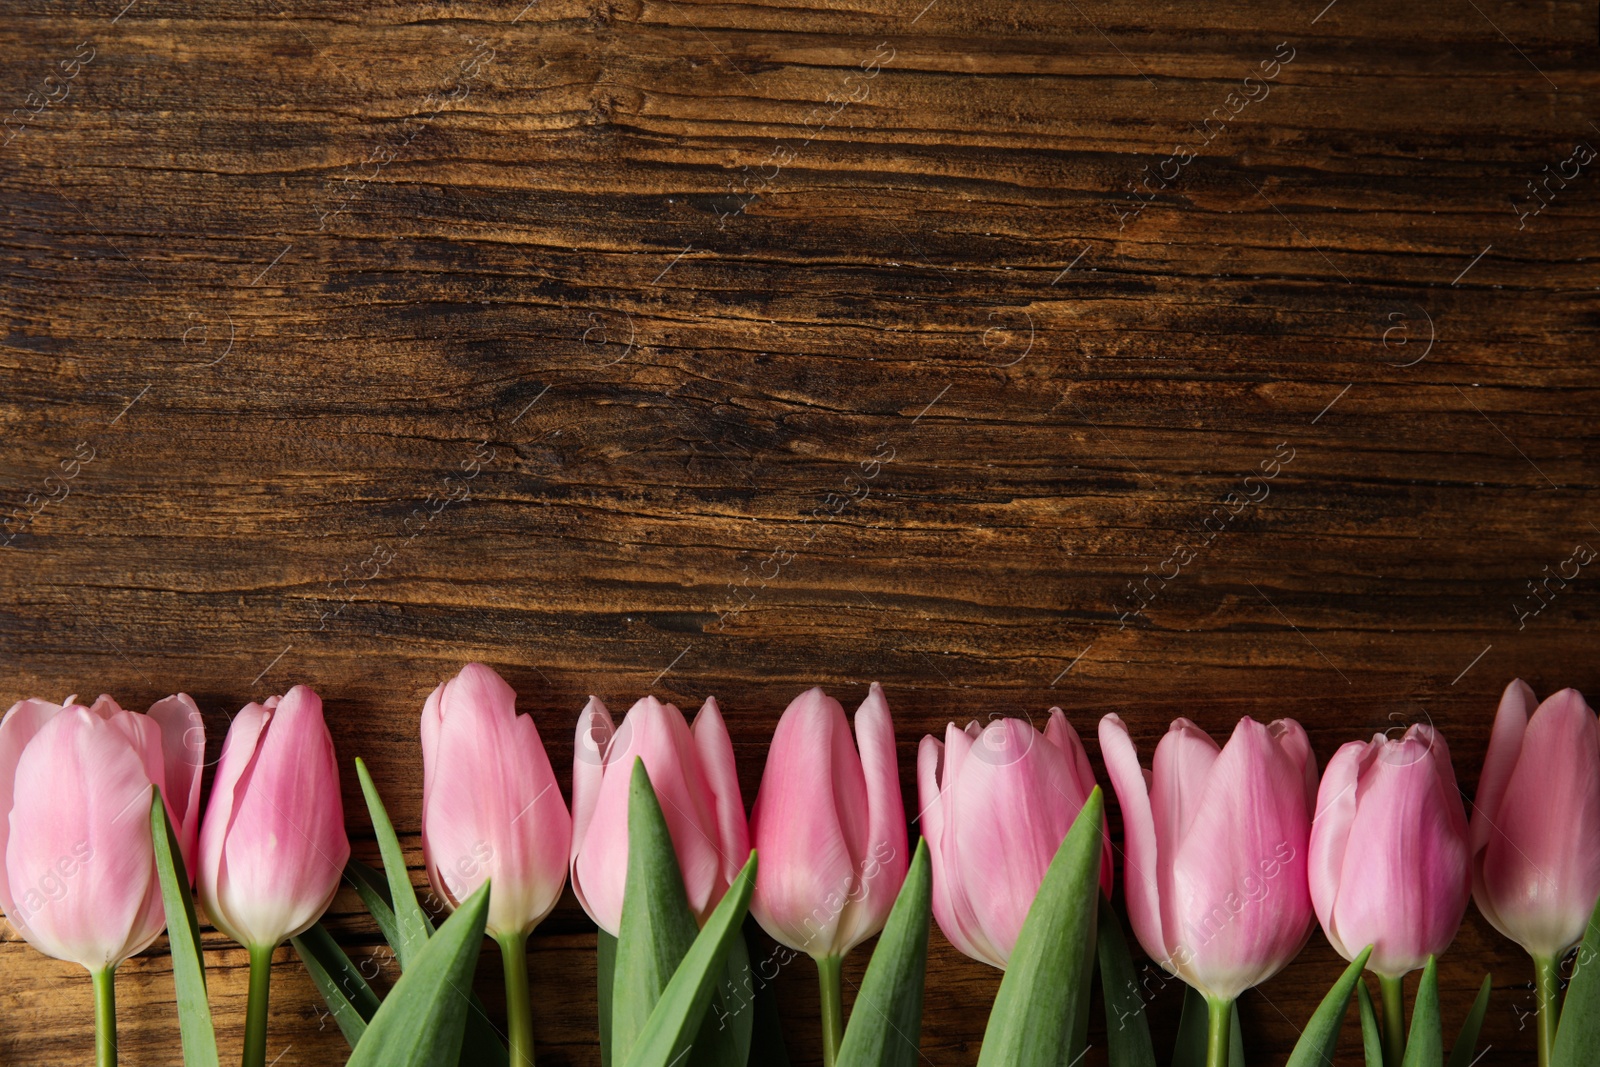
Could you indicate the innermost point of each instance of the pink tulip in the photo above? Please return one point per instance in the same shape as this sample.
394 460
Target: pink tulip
1216 841
1536 823
79 879
694 777
829 826
1388 861
273 846
490 805
996 805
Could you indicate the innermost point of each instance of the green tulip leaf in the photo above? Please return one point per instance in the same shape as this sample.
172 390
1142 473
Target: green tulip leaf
667 1035
1321 1035
1371 1038
183 934
1032 1022
1578 1032
657 926
1192 1033
725 1032
412 924
1462 1053
605 971
1127 1028
1425 1042
423 1020
350 1000
378 890
886 1024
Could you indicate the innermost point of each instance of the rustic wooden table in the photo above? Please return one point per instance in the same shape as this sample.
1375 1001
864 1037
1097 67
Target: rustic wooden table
695 349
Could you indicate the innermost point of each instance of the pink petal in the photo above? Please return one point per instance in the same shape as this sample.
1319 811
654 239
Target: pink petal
1140 865
19 727
183 756
715 750
1505 746
1330 835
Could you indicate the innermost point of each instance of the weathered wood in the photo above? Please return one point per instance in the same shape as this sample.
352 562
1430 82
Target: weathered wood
799 345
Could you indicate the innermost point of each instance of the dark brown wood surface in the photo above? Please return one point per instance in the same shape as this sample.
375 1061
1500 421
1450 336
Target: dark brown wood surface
798 344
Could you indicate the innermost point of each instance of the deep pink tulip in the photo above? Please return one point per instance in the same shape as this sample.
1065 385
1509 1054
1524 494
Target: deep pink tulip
829 826
491 808
79 879
1216 842
273 846
996 804
1536 821
1389 851
696 782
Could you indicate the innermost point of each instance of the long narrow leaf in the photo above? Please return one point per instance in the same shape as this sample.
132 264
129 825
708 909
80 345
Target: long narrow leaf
1462 1052
1321 1036
422 1021
724 1038
483 1045
1031 1022
605 974
1127 1028
1425 1042
1578 1032
657 925
1371 1039
351 1001
412 924
666 1035
183 934
886 1022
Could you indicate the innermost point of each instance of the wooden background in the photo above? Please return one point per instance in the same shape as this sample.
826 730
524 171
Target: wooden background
810 344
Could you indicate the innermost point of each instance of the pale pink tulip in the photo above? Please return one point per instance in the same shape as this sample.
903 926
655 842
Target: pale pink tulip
696 783
273 845
1389 851
1216 839
79 879
491 809
996 804
1536 822
829 826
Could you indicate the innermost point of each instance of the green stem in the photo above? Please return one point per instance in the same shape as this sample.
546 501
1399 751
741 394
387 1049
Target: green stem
829 981
1219 1033
519 1004
1548 984
1394 1020
105 1019
255 1018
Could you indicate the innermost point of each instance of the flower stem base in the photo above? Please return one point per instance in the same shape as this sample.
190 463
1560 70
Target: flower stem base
105 1019
1547 983
519 1004
1394 1020
1219 1031
255 1018
830 984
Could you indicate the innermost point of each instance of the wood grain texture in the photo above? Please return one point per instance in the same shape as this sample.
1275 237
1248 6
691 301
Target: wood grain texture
801 344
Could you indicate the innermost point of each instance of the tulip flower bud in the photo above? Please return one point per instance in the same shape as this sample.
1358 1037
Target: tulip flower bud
829 826
273 846
996 804
79 878
693 773
1536 822
1216 840
491 809
1389 851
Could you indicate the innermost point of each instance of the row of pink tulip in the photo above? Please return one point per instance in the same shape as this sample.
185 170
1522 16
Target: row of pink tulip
1230 853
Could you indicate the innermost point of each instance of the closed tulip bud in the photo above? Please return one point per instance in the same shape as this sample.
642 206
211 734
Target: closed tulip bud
996 804
1216 841
829 826
273 845
491 809
1389 851
1536 822
693 773
79 879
